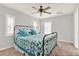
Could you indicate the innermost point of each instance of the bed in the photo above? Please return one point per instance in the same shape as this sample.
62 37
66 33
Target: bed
34 44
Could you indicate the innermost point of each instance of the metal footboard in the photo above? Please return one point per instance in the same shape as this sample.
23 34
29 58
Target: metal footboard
49 43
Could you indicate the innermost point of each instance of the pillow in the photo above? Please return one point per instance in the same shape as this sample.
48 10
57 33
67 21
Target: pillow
22 33
33 32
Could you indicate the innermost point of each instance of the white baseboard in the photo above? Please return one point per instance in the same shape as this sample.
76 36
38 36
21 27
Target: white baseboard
66 41
6 48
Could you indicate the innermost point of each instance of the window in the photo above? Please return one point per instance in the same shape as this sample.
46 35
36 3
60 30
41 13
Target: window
47 27
34 24
9 25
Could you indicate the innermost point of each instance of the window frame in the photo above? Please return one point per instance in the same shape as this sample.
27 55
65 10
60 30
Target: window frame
11 31
45 29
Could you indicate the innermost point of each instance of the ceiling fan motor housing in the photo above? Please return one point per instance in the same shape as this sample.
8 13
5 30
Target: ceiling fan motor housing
41 9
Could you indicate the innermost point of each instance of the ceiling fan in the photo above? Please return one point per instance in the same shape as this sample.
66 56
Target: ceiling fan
41 10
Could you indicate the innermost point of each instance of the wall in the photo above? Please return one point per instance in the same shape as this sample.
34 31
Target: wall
63 25
20 18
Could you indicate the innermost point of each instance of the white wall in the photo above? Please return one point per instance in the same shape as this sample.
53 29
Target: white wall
20 18
63 25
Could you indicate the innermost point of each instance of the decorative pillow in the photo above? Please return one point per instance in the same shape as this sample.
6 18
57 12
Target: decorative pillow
33 32
22 32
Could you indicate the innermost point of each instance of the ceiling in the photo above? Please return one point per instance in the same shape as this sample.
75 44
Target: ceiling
57 9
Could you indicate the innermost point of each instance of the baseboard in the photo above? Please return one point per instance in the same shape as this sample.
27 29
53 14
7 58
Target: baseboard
66 41
6 48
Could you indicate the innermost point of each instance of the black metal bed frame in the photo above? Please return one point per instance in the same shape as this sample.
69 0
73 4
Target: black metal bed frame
43 38
44 43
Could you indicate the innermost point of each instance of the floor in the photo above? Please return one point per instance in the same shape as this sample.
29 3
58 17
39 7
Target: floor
63 49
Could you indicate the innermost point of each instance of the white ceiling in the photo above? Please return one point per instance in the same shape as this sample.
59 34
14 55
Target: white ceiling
56 8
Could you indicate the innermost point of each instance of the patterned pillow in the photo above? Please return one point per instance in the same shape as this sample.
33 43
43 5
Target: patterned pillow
33 32
23 32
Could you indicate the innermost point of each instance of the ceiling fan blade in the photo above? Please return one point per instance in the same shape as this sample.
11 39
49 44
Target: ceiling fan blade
35 12
47 12
46 8
34 8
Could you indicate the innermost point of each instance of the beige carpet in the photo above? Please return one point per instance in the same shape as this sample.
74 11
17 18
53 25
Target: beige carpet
63 49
